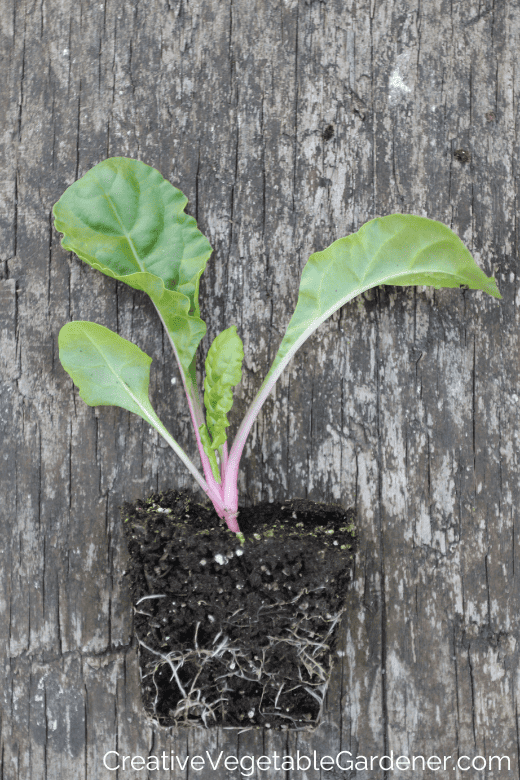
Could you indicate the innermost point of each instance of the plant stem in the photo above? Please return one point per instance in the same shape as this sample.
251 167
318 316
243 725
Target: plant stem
210 487
213 490
235 454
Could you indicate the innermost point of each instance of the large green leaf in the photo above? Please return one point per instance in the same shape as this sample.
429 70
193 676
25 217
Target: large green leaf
223 371
399 249
125 220
111 371
185 330
122 217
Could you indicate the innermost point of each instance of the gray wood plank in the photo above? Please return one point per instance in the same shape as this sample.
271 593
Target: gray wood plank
404 404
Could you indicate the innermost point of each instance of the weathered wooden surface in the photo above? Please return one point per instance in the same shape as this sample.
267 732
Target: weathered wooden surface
404 405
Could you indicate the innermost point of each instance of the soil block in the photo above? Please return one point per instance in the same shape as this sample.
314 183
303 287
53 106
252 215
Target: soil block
232 635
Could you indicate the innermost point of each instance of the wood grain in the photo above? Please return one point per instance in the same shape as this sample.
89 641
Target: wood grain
405 404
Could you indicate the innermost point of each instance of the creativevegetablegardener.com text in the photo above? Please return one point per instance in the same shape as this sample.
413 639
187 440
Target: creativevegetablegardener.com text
344 760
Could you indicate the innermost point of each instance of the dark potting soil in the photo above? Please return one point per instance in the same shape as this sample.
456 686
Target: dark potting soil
235 635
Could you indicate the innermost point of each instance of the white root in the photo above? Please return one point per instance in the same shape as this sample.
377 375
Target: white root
193 705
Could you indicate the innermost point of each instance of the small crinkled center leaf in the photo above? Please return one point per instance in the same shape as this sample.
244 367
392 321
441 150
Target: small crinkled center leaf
223 371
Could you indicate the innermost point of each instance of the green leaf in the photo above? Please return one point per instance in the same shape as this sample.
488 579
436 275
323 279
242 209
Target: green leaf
400 250
208 449
107 369
185 331
111 371
223 371
125 220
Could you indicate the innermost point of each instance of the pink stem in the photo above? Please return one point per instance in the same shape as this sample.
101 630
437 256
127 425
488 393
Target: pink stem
231 473
223 465
212 490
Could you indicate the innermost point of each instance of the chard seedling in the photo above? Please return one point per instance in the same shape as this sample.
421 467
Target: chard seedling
125 220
